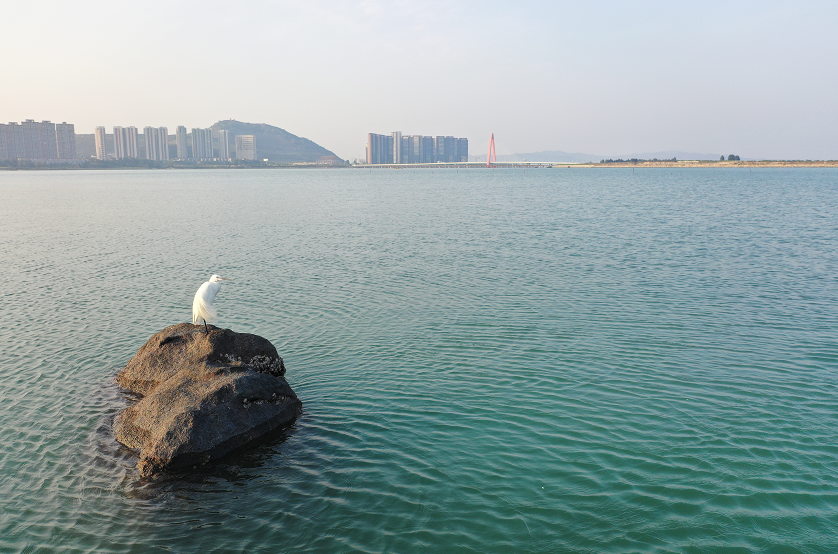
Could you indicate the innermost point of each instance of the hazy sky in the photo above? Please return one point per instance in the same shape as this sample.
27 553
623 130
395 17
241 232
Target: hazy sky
758 79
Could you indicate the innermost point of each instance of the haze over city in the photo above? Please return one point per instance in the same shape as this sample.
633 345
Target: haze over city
752 78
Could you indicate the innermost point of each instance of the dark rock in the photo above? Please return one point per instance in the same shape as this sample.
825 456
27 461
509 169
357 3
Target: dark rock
204 395
184 346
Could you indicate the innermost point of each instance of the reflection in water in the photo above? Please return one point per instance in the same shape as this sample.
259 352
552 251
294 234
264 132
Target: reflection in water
112 459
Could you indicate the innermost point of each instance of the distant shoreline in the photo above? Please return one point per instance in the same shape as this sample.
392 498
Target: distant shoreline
201 167
470 165
697 163
606 165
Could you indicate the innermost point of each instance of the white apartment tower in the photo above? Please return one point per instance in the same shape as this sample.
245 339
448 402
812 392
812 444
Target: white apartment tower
202 144
224 144
181 140
163 143
151 143
101 151
245 147
132 145
119 140
124 143
156 143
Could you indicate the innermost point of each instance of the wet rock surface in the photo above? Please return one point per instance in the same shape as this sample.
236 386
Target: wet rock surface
203 396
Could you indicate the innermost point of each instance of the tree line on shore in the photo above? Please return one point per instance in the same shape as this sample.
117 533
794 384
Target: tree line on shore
633 161
730 158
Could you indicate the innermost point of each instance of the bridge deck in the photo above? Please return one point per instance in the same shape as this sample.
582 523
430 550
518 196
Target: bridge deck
459 165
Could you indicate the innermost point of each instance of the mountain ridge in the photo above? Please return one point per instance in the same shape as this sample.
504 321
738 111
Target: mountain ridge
274 143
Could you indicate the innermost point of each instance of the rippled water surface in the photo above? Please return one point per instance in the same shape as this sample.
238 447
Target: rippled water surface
563 360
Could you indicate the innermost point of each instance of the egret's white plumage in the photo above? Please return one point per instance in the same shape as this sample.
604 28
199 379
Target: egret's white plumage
203 307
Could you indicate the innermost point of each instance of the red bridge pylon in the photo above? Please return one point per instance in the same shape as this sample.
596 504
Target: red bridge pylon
492 155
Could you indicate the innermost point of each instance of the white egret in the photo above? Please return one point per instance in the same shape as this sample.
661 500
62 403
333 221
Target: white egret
203 307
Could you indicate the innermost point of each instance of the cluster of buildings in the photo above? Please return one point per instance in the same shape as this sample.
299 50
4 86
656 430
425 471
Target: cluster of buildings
47 142
44 141
415 149
156 144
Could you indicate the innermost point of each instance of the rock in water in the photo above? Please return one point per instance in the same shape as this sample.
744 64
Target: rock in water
203 395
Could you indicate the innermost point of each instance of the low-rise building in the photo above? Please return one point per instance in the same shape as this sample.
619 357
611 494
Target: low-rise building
329 160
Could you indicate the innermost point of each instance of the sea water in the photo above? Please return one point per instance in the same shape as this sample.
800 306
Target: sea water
543 360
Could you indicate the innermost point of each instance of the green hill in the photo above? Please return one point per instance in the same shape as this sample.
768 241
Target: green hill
273 143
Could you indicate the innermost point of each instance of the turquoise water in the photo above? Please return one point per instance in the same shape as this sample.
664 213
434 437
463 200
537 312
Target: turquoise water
582 361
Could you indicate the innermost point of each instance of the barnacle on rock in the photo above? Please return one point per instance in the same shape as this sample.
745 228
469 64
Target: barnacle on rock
268 364
231 358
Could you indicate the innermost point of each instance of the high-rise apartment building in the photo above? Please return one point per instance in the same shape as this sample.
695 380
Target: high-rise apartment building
245 147
462 149
151 142
156 143
31 139
429 150
120 138
397 147
99 137
49 147
65 140
4 142
450 149
4 148
439 149
42 141
181 141
379 149
163 143
133 142
125 143
39 140
224 144
415 149
11 141
405 153
202 144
